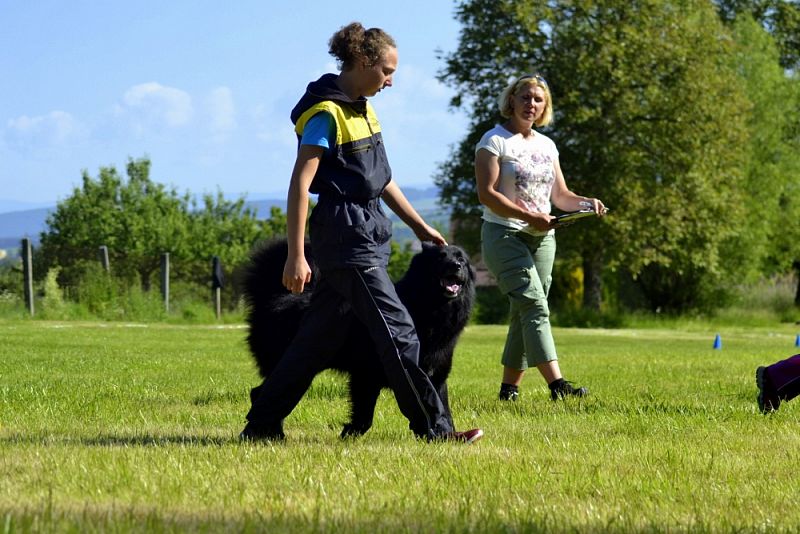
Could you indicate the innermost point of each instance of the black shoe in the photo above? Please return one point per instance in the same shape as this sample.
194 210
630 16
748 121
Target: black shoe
768 399
563 389
508 393
254 432
467 436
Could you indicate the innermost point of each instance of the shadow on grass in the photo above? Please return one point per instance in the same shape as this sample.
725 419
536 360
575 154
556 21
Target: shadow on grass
53 518
646 405
120 441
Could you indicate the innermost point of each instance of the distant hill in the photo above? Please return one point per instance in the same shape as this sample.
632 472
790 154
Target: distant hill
425 201
30 223
18 224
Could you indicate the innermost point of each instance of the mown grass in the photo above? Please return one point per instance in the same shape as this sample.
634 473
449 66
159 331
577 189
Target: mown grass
127 427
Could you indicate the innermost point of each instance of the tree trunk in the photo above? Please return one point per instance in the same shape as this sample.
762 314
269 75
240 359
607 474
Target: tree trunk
796 265
144 277
592 279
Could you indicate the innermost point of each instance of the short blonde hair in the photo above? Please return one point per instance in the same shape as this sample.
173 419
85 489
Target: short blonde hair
513 88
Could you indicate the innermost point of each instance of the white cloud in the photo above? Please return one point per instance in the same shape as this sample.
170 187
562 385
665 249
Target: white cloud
154 106
221 113
277 131
411 78
55 128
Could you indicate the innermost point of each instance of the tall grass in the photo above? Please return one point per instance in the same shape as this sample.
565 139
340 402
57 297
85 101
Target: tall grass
132 427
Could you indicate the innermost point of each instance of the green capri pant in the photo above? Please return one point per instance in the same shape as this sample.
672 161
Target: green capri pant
523 264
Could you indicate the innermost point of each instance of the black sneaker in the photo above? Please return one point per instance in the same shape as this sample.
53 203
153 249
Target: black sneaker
768 399
564 389
254 432
508 393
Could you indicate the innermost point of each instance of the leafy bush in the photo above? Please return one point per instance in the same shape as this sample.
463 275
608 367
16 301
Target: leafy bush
491 306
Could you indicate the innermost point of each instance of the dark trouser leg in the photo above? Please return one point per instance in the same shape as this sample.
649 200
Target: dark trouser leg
375 303
321 334
785 377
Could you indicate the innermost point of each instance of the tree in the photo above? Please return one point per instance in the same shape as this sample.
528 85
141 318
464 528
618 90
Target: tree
773 161
136 220
223 228
648 117
139 220
781 18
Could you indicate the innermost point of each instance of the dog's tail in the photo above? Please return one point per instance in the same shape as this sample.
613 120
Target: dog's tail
272 312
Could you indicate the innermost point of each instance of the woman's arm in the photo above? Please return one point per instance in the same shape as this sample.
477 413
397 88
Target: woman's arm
296 272
399 204
487 174
566 200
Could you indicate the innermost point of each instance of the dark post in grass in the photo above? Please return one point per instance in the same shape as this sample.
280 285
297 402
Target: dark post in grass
217 281
27 273
165 280
103 255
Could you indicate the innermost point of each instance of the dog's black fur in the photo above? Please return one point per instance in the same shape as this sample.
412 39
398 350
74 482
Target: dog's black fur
438 289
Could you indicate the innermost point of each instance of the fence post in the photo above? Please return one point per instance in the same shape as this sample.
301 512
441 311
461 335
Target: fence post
27 273
217 281
103 254
165 280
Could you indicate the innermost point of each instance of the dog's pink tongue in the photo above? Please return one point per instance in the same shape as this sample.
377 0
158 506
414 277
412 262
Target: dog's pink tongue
453 288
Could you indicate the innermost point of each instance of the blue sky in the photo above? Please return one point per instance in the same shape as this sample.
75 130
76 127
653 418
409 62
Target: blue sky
203 89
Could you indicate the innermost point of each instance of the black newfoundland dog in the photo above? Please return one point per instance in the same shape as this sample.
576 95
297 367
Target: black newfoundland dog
438 289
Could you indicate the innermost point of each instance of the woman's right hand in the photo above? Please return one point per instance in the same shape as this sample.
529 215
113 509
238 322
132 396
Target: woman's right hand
540 221
296 274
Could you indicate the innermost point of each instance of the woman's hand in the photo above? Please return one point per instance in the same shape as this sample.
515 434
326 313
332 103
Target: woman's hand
595 204
425 232
296 274
540 221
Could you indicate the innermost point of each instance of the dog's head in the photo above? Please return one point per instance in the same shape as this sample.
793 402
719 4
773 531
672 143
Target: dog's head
448 268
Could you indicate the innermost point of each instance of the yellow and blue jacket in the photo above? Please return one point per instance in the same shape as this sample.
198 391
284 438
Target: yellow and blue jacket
355 166
348 226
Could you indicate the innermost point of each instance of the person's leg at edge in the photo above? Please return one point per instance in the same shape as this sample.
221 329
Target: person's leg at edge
779 382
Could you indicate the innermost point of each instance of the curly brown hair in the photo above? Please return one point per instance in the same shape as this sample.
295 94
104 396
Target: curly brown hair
353 43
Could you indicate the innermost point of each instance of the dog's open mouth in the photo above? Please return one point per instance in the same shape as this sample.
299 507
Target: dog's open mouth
452 287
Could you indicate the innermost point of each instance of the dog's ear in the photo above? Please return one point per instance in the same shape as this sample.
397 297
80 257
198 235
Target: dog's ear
426 245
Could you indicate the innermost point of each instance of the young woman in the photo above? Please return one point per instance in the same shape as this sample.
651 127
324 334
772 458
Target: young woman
341 157
518 176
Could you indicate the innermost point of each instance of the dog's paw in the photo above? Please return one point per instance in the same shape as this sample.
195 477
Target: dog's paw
351 430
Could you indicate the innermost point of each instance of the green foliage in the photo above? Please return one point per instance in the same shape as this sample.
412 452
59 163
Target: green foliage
653 114
139 220
780 17
52 303
11 278
491 306
103 296
136 219
773 165
399 260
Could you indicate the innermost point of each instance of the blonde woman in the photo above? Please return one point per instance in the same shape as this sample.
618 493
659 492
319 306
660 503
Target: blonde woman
518 180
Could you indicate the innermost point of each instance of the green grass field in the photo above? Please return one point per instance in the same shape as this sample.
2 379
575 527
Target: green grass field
124 427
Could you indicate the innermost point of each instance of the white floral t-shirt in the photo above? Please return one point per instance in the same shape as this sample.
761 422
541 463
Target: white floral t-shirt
527 172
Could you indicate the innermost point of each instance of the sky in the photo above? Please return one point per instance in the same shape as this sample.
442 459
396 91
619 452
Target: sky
203 89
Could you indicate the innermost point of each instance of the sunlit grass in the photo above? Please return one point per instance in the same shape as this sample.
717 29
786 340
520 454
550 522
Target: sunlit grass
131 427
